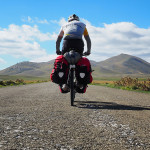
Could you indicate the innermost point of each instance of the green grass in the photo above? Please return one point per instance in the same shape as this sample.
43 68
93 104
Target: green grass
107 78
104 84
108 83
20 80
29 78
119 87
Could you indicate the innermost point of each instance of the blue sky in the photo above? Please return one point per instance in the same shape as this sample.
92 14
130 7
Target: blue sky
29 28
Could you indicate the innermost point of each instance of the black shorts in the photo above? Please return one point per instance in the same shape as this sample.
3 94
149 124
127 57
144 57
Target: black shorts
76 44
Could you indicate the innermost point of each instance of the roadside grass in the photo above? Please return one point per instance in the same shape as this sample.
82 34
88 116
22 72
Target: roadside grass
126 83
16 82
26 78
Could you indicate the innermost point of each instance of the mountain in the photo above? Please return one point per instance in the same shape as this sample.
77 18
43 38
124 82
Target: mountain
29 69
121 64
126 64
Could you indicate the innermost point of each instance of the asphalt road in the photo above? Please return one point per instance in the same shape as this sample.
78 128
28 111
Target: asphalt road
38 116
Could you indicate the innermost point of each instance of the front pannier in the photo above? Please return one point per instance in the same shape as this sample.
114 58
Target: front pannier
59 73
83 71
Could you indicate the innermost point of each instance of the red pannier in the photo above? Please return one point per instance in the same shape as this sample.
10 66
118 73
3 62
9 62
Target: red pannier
84 71
59 73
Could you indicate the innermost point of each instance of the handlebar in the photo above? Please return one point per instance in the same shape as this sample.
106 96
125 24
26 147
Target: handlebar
83 54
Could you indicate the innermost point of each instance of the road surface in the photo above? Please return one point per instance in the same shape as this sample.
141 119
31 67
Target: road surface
39 117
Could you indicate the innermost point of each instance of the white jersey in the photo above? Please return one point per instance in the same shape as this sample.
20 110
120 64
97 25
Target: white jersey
73 30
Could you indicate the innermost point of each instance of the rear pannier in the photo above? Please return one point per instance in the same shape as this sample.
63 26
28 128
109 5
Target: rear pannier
59 73
83 71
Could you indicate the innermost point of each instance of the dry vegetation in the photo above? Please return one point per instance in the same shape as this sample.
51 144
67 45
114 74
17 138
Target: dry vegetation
134 84
102 82
19 82
127 83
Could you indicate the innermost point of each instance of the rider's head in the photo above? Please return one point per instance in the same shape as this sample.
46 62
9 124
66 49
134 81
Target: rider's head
73 17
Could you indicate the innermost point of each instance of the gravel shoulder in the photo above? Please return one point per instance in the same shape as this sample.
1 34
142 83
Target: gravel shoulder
38 116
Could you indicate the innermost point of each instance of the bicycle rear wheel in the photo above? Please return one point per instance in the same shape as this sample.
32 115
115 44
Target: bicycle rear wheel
72 91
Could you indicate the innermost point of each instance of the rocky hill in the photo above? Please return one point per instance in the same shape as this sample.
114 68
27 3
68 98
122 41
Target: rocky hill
121 64
126 64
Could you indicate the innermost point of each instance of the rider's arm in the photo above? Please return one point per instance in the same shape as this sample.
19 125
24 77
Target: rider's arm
60 36
88 41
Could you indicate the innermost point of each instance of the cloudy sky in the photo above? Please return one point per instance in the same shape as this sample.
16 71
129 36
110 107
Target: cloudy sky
29 28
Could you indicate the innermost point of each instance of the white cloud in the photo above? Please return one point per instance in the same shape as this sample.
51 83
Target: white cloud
44 21
29 19
2 61
35 20
116 38
24 33
45 58
107 41
60 22
23 41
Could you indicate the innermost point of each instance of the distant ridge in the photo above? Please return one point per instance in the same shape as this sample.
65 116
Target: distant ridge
126 64
121 64
29 69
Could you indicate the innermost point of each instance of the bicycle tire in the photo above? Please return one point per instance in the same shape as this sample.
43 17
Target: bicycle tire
72 91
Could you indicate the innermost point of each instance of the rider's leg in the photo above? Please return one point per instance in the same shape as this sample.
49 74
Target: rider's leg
62 90
65 87
81 88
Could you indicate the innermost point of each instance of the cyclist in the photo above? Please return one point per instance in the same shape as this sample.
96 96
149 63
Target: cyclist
72 34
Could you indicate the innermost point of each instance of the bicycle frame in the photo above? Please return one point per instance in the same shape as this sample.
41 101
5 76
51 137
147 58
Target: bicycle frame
71 83
72 57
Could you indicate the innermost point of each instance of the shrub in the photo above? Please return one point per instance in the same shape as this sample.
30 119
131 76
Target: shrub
19 81
2 83
134 84
10 82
